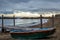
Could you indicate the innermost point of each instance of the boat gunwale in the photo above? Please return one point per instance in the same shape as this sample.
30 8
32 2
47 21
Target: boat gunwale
36 31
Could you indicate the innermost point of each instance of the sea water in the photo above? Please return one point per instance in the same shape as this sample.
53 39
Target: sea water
22 22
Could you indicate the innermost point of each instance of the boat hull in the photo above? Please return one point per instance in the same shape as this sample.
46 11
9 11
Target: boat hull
35 34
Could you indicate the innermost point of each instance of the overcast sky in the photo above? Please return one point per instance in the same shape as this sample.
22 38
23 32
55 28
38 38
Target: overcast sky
28 4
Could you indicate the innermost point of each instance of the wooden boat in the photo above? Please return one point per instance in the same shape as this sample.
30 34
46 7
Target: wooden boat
31 32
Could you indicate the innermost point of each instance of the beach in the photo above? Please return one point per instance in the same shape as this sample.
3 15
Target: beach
55 36
35 19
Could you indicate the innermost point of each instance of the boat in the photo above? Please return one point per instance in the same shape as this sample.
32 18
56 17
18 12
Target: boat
31 33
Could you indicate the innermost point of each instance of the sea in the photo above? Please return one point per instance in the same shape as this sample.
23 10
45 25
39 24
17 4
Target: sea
22 22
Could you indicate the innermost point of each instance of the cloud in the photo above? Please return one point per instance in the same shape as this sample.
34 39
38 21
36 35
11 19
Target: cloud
52 0
28 5
18 1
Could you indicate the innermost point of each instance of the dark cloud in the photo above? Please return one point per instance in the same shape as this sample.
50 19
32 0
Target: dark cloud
18 1
29 5
52 0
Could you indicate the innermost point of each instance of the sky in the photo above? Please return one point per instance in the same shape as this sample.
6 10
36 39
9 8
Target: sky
28 5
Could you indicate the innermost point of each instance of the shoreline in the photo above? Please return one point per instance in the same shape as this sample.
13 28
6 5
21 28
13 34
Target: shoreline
56 36
17 27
